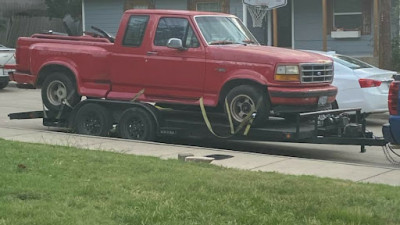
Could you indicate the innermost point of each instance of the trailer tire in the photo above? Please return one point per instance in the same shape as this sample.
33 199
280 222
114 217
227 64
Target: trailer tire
137 124
243 99
93 119
57 87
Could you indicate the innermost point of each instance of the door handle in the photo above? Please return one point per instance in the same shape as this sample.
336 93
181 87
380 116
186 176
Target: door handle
152 53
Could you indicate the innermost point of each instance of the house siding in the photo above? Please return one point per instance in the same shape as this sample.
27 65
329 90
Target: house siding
104 14
107 14
308 32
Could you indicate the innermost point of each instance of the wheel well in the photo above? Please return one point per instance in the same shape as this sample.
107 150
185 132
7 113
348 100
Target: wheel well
47 70
234 83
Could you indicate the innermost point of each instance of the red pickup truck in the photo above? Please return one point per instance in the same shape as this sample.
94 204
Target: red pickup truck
177 57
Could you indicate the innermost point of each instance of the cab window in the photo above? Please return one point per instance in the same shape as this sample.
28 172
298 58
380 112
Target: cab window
135 30
175 28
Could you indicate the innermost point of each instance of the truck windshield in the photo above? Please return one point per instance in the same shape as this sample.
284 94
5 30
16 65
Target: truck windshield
220 30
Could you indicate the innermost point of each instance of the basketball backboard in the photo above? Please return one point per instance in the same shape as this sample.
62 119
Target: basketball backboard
270 4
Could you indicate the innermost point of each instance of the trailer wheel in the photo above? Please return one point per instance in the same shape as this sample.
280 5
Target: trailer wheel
243 99
58 87
137 124
93 119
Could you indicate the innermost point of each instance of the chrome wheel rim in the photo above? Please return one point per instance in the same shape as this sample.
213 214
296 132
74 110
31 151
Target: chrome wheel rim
241 106
56 92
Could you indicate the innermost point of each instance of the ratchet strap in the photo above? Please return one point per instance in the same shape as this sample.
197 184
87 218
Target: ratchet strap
247 121
137 95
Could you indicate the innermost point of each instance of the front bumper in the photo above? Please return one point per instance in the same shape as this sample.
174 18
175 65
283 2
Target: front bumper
292 99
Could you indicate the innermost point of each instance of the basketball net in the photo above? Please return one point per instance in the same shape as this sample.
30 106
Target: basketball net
257 14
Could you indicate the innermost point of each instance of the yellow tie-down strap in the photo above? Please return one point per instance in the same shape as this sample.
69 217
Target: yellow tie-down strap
247 121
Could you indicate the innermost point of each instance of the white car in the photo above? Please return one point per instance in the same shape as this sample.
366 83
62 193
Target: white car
6 57
360 85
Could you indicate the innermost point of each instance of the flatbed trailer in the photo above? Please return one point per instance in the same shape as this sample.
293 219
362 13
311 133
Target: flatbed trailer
144 121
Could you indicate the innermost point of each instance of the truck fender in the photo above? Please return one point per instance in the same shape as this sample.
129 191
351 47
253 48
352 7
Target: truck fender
242 77
56 65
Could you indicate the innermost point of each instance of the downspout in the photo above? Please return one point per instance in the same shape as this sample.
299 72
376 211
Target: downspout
83 16
245 14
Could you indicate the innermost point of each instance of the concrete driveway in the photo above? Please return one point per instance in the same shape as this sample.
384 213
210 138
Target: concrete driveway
333 161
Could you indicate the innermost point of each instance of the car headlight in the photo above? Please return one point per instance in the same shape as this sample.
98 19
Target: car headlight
287 73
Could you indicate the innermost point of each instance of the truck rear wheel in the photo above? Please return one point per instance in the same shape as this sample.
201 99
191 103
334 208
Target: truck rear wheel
93 119
244 99
58 87
137 124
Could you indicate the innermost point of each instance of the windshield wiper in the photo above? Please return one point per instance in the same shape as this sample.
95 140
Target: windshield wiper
248 41
222 42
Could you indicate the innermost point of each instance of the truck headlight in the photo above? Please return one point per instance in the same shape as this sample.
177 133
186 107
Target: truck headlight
287 73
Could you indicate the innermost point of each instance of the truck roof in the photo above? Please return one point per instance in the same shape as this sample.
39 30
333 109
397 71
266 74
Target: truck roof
172 12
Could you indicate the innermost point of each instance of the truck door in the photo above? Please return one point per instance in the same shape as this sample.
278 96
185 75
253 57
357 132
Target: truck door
175 74
128 73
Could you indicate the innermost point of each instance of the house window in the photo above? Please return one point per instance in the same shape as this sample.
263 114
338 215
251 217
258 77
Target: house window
138 4
347 15
209 5
350 15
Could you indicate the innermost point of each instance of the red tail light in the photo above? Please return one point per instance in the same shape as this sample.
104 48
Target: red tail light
393 98
366 83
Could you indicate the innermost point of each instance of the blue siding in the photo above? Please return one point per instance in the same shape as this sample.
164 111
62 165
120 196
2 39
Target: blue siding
308 32
171 4
104 14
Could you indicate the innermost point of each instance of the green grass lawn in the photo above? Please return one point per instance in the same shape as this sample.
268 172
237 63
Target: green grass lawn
41 184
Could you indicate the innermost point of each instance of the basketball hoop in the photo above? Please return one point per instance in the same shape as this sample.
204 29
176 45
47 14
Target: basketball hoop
257 14
259 8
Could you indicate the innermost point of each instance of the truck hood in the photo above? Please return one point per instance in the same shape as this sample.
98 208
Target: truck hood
263 54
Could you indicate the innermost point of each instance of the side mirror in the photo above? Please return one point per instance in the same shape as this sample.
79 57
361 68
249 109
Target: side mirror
175 43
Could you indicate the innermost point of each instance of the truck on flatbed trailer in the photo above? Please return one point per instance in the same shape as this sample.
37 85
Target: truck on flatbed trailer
178 57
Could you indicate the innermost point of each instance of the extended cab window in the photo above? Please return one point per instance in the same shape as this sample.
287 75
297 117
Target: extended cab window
135 31
175 28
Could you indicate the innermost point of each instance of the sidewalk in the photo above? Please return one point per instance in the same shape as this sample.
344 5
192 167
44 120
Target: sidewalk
232 159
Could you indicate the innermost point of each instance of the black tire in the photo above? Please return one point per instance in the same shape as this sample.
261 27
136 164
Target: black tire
93 119
57 87
137 124
245 98
3 84
334 105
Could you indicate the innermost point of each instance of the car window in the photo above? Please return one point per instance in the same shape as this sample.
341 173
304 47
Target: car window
350 62
135 31
175 28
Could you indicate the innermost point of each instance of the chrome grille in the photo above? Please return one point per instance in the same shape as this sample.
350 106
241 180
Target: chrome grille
316 72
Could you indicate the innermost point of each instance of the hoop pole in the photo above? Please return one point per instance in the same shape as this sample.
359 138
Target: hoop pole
275 26
324 25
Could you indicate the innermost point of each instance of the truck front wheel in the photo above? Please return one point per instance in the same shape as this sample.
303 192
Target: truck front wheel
245 99
58 87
